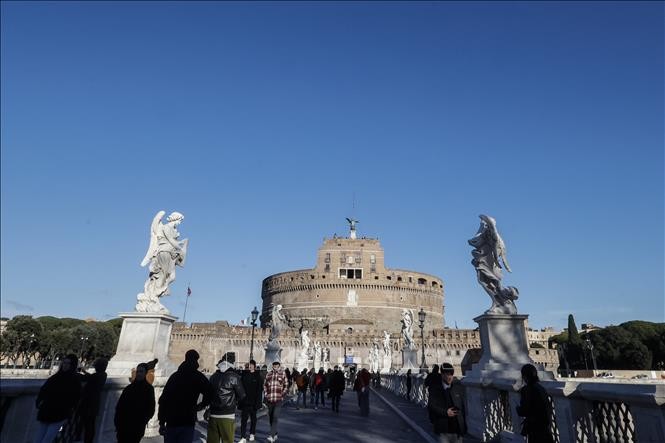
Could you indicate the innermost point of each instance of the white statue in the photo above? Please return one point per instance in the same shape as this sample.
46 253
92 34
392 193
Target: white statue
374 357
304 345
488 253
317 353
387 351
326 355
278 322
165 252
407 329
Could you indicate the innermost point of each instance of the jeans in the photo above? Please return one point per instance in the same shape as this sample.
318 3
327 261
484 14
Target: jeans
303 395
248 412
46 432
335 402
179 434
273 414
363 402
322 395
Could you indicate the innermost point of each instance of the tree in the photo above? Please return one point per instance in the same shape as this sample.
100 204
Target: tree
574 349
616 347
24 334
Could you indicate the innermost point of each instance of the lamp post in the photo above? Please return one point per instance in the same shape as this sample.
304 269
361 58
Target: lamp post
83 340
593 357
255 315
421 321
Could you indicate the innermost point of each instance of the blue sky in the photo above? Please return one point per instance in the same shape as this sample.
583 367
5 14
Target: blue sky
261 122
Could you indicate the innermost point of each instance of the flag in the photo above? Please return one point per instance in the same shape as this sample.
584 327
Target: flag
189 291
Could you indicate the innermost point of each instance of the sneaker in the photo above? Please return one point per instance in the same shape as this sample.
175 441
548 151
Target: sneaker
270 439
251 437
242 440
274 437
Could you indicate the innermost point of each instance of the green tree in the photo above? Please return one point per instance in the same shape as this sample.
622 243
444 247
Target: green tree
24 335
616 347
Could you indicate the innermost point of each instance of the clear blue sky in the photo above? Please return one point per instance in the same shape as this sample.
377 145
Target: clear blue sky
260 121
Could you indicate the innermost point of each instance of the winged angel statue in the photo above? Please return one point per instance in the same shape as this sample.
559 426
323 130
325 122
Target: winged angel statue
165 252
488 254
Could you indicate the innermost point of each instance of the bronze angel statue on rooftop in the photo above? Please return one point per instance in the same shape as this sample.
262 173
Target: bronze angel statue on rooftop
489 254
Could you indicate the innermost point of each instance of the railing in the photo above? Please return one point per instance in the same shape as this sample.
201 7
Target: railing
18 414
582 411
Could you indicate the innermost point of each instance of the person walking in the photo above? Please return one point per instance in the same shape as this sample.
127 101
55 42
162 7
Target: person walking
337 386
534 407
408 385
432 382
135 408
274 390
90 396
57 399
361 387
178 403
251 382
320 387
226 392
302 381
312 387
447 407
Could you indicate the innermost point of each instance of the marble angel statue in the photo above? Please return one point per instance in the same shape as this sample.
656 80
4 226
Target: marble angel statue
407 329
387 351
165 252
489 257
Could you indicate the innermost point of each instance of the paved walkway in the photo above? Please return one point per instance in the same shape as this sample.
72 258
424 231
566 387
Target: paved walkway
384 424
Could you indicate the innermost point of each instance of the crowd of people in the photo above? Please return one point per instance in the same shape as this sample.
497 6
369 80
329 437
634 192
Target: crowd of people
69 400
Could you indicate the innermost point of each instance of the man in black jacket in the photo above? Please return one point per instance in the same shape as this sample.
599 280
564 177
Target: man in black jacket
337 386
251 382
179 401
447 407
226 392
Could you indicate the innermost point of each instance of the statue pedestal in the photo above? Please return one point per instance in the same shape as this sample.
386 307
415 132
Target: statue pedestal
386 364
273 354
409 359
505 349
144 336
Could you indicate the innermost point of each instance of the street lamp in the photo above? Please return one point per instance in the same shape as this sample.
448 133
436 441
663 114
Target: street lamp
83 340
421 320
255 315
593 357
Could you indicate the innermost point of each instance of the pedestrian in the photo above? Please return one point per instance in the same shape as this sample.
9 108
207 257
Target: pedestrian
251 382
534 407
135 407
320 387
90 396
337 386
447 407
57 399
408 385
378 380
302 382
312 387
226 392
178 403
274 389
432 381
361 387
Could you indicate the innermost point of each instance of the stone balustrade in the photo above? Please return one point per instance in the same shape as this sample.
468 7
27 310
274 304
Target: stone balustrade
583 410
18 414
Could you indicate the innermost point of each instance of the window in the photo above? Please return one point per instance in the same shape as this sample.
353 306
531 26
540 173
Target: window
399 278
350 273
327 267
327 260
372 259
422 281
372 269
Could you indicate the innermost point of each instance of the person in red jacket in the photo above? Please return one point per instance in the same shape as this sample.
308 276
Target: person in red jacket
361 386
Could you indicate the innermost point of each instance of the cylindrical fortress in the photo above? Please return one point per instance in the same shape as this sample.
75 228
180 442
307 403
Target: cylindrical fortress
350 287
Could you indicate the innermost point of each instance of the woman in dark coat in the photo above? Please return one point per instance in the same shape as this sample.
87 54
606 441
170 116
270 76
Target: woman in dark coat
534 407
135 408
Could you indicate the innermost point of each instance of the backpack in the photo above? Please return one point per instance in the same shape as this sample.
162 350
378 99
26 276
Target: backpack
300 381
318 380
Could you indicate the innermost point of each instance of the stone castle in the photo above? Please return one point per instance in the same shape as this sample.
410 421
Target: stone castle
345 302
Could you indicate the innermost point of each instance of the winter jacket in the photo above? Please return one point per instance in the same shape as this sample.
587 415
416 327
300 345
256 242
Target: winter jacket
440 401
58 397
535 408
135 407
91 393
337 383
226 392
178 402
251 382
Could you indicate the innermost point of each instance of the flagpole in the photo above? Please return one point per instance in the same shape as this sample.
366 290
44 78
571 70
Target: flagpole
186 301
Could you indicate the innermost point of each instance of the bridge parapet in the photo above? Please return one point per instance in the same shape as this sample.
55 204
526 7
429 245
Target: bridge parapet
582 411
